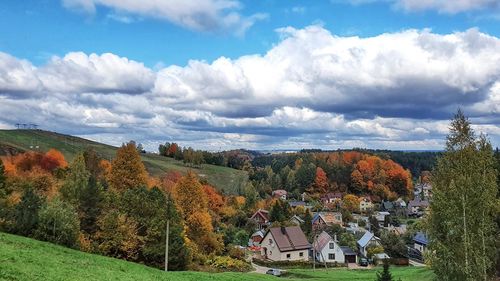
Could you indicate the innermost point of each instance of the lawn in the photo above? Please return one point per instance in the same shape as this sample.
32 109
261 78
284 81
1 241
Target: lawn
26 259
229 180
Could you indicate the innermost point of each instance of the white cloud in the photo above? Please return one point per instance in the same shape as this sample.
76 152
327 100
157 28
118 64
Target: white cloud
310 89
200 15
447 6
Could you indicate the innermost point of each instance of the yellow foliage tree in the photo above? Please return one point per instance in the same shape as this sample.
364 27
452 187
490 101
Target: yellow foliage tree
127 169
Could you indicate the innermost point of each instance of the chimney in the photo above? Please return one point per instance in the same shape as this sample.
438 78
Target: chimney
283 230
335 237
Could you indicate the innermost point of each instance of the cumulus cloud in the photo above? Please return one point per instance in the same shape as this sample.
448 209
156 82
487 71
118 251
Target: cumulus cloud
201 15
312 88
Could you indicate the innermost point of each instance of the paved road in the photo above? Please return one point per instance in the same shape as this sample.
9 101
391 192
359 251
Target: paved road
260 269
416 263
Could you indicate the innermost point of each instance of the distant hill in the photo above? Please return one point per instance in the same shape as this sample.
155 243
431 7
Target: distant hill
228 180
25 259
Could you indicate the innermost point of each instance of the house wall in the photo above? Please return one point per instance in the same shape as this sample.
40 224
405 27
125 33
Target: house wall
419 247
323 255
274 254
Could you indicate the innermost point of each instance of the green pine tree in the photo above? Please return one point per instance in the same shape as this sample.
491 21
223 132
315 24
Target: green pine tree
462 234
26 213
76 182
385 275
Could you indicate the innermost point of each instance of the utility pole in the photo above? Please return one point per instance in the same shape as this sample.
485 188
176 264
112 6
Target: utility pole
166 246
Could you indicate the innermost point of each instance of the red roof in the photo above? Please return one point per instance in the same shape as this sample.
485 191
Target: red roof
262 213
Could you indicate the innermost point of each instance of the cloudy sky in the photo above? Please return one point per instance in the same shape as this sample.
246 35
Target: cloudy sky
257 74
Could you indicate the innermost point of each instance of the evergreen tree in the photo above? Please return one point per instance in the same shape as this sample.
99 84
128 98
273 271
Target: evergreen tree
76 181
178 257
462 234
307 225
127 170
385 275
26 213
90 206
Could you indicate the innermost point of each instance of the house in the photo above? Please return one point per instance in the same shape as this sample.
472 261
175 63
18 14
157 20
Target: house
296 220
322 219
261 218
417 207
398 230
256 238
295 204
328 250
368 240
331 198
380 216
280 193
423 190
420 242
354 228
365 204
387 206
285 244
379 258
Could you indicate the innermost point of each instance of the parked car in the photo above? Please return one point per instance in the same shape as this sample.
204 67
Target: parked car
274 272
363 262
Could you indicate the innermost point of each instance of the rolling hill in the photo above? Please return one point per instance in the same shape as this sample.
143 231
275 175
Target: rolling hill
25 259
226 179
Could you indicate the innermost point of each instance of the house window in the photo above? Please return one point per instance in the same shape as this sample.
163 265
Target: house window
332 246
288 256
271 241
331 256
301 254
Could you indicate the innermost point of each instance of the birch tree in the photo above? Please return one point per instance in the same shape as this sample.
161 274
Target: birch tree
461 222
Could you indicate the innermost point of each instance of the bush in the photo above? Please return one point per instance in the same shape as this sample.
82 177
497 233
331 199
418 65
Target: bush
295 264
224 263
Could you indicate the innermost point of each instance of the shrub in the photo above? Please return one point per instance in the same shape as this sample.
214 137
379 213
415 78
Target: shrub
58 223
224 263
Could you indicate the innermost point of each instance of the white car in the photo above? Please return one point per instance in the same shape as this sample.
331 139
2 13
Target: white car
274 272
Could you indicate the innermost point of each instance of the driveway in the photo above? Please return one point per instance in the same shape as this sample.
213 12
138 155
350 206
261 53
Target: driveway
260 269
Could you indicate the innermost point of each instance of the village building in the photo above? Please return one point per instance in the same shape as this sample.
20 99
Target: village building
323 219
365 204
417 207
420 242
285 244
256 238
261 218
296 220
327 250
331 198
280 193
368 240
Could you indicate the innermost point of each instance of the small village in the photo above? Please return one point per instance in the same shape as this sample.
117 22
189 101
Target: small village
331 241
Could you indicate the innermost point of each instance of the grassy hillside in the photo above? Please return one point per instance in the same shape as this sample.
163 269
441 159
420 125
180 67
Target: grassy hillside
224 178
27 259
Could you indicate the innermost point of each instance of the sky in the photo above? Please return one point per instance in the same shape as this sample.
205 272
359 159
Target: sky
255 74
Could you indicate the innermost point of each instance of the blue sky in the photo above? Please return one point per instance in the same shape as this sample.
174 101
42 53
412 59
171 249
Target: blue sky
258 74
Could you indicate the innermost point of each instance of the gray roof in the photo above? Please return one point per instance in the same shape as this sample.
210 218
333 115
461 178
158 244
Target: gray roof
366 239
421 238
347 251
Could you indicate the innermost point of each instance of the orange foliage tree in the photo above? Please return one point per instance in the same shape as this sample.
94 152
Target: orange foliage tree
52 160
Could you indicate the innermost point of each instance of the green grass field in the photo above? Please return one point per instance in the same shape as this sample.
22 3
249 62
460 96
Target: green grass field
227 179
27 259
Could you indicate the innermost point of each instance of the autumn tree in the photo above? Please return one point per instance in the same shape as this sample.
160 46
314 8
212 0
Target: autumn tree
350 202
127 169
462 235
53 159
320 185
2 175
117 236
192 204
357 181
